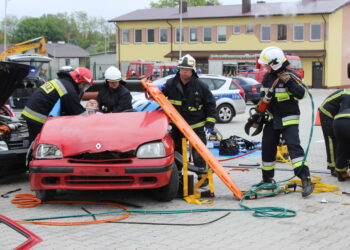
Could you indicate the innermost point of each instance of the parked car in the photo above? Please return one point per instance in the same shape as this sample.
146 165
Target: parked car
132 150
251 88
14 140
228 94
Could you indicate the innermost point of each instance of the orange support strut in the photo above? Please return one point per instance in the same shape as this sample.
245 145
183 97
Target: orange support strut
191 136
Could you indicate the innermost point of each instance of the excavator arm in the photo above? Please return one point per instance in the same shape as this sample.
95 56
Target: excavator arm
36 43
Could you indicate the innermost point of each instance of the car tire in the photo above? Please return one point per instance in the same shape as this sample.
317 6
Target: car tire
168 192
225 113
45 195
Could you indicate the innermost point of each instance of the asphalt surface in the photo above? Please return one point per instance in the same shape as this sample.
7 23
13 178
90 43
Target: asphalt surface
321 220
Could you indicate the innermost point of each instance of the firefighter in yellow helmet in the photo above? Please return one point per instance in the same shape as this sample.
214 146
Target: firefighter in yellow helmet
195 102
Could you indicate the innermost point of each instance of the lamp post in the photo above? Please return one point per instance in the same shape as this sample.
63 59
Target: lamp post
5 31
180 45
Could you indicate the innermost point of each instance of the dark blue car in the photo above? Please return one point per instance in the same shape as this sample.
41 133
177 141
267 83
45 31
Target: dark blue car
251 88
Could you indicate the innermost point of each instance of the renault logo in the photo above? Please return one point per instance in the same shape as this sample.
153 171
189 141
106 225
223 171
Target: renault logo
98 146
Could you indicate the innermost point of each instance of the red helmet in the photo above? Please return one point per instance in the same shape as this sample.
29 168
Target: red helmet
82 74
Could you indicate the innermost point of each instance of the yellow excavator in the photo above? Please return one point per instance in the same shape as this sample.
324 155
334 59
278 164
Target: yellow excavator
36 43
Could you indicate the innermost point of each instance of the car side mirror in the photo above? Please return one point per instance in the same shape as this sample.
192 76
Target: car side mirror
348 70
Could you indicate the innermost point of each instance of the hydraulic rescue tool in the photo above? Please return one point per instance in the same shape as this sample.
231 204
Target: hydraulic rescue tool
258 114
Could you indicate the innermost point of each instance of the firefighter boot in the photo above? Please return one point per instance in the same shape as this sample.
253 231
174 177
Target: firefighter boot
267 178
343 176
307 185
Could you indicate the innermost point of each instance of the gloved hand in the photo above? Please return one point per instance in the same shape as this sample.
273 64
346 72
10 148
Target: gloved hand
208 130
284 76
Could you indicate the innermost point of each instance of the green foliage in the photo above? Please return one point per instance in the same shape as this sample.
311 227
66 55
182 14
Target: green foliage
173 3
76 28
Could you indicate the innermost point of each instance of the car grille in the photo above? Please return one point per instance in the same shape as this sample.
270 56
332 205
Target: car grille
100 179
18 144
106 157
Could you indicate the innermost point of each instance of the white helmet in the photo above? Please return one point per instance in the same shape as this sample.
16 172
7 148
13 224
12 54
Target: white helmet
187 62
272 56
113 74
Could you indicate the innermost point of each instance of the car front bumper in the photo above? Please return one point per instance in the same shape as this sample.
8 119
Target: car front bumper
131 174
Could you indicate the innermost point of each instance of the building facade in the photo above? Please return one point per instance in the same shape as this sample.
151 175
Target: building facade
316 30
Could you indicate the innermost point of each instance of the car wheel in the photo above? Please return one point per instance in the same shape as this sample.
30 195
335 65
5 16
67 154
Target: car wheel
225 113
45 195
168 192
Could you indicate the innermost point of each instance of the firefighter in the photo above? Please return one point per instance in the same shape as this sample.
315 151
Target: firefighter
342 134
283 118
330 107
114 97
195 102
68 88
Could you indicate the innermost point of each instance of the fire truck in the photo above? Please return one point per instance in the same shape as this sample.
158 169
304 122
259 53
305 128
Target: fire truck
153 70
247 65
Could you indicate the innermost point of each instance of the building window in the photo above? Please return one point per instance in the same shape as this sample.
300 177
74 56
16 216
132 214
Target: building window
193 34
315 32
163 35
150 35
236 30
221 36
265 33
250 29
138 36
298 32
126 36
67 61
179 33
282 32
206 34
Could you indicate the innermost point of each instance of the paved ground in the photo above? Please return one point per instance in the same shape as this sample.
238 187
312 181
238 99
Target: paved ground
318 225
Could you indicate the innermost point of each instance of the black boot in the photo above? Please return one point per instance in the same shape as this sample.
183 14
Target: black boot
267 178
307 185
343 176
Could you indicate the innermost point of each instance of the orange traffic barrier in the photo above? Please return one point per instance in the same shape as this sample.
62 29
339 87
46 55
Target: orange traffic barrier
191 136
317 120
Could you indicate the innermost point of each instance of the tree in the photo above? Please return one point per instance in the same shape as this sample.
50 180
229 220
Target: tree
10 22
173 3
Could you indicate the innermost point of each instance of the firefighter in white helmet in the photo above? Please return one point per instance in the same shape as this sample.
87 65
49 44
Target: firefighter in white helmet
114 97
284 117
195 102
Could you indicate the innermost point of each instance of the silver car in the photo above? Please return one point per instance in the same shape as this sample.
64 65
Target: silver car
229 96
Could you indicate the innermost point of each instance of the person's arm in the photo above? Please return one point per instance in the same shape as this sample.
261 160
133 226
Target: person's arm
209 107
124 103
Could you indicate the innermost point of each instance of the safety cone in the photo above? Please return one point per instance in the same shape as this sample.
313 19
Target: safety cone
317 120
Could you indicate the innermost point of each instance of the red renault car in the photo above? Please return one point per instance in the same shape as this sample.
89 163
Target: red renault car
131 150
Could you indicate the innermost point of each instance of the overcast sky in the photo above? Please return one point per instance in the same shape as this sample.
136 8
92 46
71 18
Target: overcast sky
107 9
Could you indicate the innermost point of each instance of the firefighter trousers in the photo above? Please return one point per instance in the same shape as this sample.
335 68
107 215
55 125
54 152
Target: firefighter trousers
34 128
342 134
330 140
177 137
270 140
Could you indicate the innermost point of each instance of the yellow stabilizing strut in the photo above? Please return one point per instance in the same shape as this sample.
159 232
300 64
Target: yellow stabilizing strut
153 91
193 198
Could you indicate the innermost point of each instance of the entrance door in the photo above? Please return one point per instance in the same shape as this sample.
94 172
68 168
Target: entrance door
317 74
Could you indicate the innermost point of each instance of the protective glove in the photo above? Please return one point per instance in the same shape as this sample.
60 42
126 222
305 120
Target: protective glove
284 76
209 130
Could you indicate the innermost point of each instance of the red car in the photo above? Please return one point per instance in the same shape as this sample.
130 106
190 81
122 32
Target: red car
132 150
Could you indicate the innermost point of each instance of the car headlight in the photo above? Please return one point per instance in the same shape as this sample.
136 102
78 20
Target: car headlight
3 146
48 151
151 150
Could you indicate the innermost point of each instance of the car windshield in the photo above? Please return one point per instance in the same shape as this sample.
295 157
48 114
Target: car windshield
246 80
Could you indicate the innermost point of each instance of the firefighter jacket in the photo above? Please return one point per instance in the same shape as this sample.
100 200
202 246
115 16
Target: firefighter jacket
194 101
335 103
114 100
45 97
284 108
